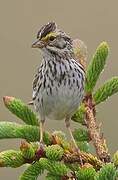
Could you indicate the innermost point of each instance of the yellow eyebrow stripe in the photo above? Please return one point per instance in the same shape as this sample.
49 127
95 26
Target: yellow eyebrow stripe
49 35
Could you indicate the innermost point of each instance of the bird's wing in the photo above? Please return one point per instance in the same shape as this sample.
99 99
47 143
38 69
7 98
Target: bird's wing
34 84
80 52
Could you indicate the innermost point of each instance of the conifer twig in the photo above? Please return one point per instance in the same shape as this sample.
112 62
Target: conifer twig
98 141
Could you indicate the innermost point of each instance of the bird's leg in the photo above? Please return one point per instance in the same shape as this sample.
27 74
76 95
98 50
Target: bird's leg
41 130
40 150
67 122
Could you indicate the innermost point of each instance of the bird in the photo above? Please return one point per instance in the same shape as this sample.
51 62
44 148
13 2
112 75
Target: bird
58 85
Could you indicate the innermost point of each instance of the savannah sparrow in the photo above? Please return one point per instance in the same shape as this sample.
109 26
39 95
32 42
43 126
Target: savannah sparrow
58 86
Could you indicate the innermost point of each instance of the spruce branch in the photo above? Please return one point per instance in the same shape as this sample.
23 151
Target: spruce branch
84 146
81 134
32 172
52 177
96 66
108 89
108 171
28 150
54 152
115 158
21 110
28 132
79 116
86 173
15 130
11 158
54 167
98 141
29 153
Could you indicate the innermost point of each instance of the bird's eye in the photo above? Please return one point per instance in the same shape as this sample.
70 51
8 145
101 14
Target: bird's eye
52 38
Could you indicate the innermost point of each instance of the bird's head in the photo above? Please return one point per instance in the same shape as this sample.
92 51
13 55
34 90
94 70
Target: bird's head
52 39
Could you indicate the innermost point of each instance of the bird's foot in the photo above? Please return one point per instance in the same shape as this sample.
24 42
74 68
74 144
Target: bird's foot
40 151
41 145
79 153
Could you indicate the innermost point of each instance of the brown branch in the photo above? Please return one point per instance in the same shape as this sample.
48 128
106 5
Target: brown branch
86 158
98 141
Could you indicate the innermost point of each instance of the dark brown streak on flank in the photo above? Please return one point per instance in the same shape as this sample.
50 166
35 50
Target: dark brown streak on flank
37 92
69 81
65 81
73 80
77 84
41 75
55 69
35 81
44 66
50 89
50 66
66 70
80 67
48 77
62 75
44 83
80 74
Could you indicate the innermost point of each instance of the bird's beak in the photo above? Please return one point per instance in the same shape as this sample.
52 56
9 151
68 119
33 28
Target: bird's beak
38 44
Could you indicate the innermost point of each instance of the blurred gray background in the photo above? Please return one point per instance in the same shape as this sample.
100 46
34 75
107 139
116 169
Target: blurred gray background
91 21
